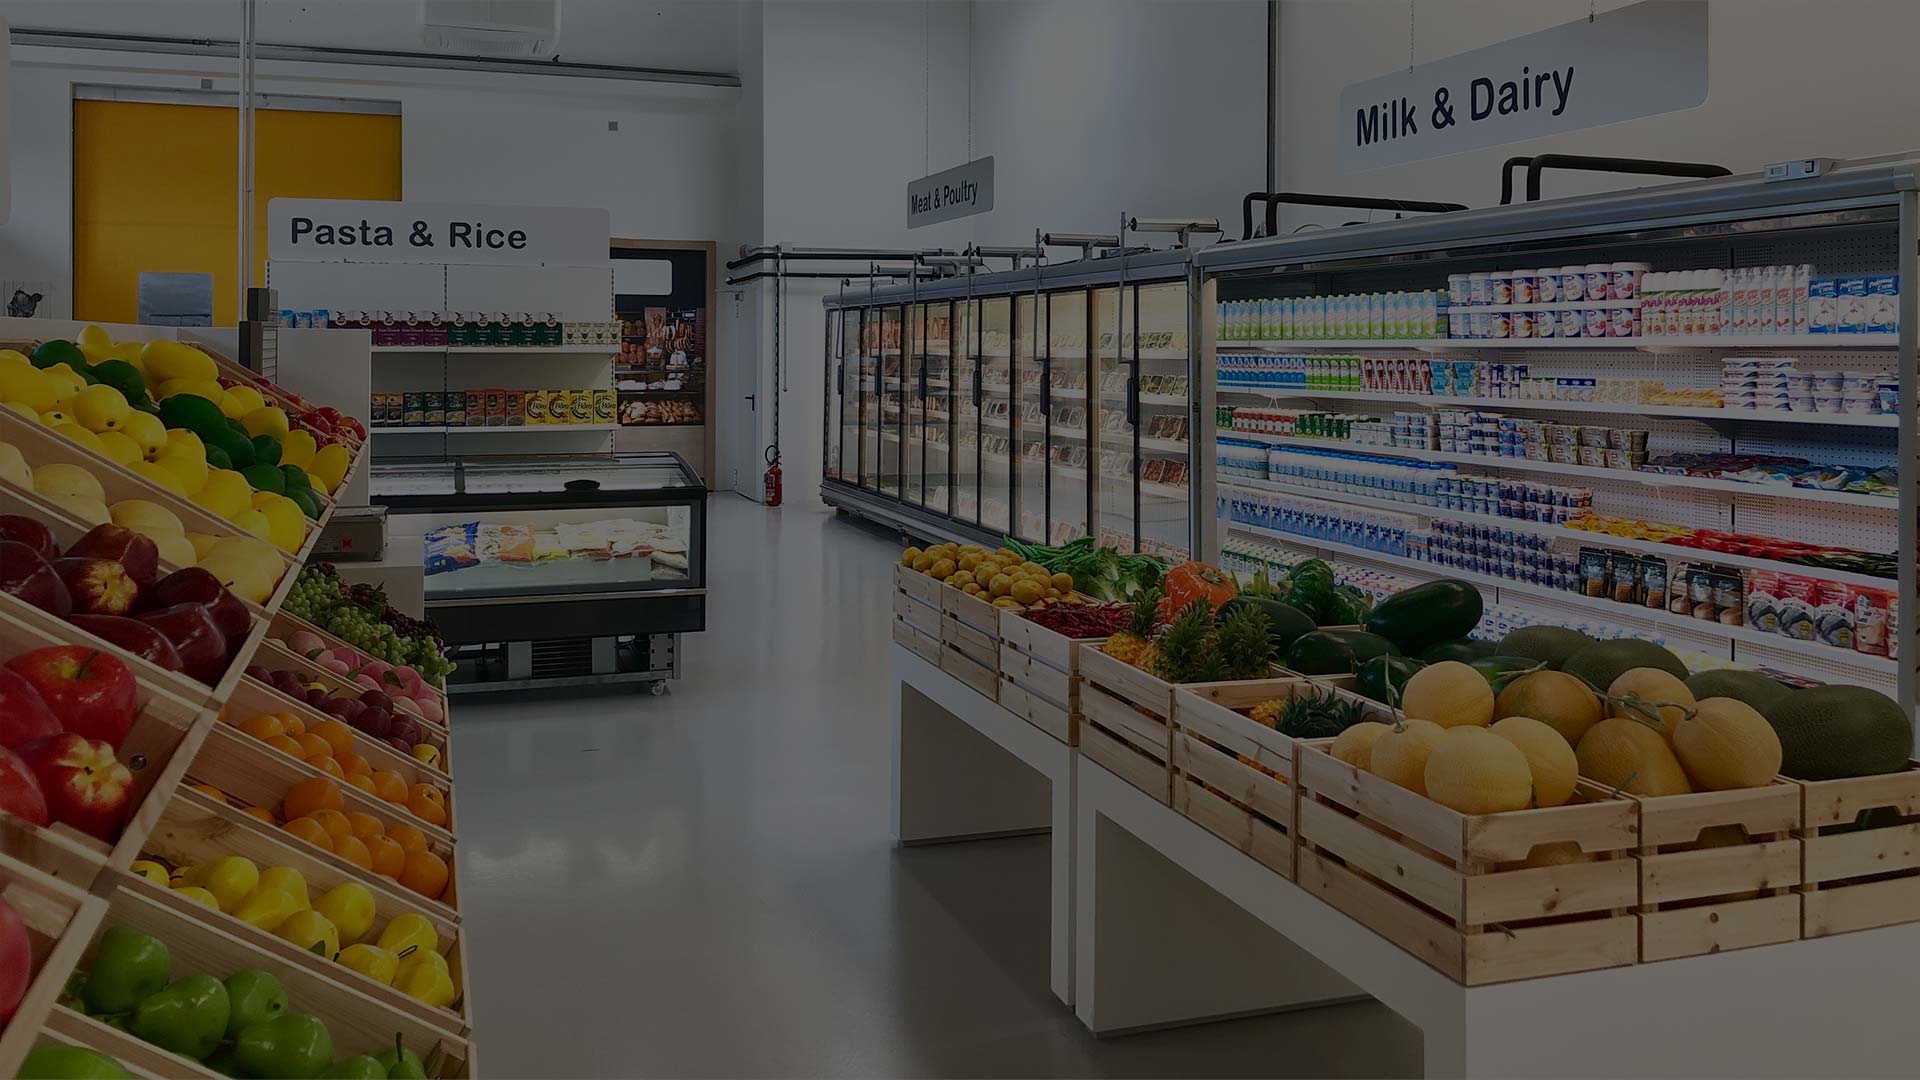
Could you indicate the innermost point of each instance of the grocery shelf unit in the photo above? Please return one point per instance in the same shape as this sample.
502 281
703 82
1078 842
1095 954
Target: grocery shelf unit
1858 219
70 888
1045 403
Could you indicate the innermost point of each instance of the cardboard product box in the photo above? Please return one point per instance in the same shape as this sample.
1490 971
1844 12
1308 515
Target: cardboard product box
456 408
476 408
537 403
579 406
377 410
516 408
433 408
414 408
606 406
519 330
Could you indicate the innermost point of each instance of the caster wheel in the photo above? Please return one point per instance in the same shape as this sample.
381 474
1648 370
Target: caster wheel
657 689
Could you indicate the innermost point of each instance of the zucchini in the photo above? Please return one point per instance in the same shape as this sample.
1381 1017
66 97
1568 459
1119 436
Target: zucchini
1285 623
1320 653
1427 614
1461 649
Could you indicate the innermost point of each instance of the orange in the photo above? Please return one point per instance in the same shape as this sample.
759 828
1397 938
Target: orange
326 764
303 798
409 838
295 726
338 735
354 764
312 745
363 782
262 813
287 744
226 716
311 831
334 822
390 786
210 792
389 858
263 726
425 803
351 849
425 873
365 825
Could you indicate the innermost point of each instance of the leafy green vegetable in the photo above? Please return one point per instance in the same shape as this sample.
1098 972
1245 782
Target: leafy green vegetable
1100 572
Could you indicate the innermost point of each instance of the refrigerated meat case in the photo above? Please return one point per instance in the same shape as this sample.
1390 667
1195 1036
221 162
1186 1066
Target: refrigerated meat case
1046 403
1702 403
555 570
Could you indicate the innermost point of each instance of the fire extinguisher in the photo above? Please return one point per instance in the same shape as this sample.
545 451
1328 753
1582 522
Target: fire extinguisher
772 477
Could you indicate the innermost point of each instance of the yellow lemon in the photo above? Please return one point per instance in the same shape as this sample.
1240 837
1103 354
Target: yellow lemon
188 467
255 522
330 465
267 420
182 439
231 879
68 383
374 962
101 408
266 909
147 430
54 418
156 473
225 493
152 871
117 446
350 908
248 397
196 893
202 543
286 523
27 386
296 447
289 881
93 335
311 931
173 360
82 436
14 356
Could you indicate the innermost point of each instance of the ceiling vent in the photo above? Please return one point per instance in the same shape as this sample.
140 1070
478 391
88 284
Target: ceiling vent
525 29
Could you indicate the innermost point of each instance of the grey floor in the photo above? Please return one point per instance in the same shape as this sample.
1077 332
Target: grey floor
703 884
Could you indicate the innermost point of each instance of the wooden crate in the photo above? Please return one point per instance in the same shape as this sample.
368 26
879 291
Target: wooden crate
922 645
285 624
60 918
199 944
1858 876
1698 899
970 641
275 657
197 829
1233 775
1125 722
917 585
252 698
1431 880
1040 675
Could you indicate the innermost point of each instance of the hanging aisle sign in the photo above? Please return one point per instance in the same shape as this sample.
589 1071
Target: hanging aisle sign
1635 61
351 230
957 193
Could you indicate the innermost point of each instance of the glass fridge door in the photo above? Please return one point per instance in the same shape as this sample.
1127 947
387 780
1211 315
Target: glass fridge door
964 406
830 415
913 433
997 452
1067 414
1113 369
937 389
1029 421
892 412
847 408
1161 371
870 398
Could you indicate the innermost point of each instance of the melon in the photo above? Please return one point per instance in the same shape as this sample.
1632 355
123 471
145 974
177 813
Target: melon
1554 698
1474 771
1553 644
1726 745
1450 694
1629 756
1550 758
1650 695
1756 689
1558 853
1830 732
1400 756
1600 664
1355 745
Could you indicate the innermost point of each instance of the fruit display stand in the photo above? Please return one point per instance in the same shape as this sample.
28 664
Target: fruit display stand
1860 874
1040 675
1718 870
59 919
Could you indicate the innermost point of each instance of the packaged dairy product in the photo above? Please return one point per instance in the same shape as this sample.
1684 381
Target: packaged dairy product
1883 304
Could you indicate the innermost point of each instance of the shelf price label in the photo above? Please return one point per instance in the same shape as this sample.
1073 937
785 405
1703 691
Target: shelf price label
365 231
1639 60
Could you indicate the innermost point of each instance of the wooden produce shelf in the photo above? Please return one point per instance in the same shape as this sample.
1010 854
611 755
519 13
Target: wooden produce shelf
60 918
1040 675
286 624
253 696
1125 723
1860 872
195 832
1443 885
1718 870
200 942
276 657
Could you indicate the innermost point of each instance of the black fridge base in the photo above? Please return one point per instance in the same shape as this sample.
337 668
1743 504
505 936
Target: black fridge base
647 660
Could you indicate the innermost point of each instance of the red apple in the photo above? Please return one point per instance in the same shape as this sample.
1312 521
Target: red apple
201 645
91 691
85 785
29 531
24 713
120 544
98 586
16 960
20 792
132 635
192 585
25 573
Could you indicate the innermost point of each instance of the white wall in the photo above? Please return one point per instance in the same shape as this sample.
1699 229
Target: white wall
1786 78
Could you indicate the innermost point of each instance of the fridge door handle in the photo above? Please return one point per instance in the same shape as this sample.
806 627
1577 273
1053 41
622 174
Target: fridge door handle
1133 402
978 374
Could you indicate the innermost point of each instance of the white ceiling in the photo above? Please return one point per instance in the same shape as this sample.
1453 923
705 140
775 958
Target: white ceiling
687 34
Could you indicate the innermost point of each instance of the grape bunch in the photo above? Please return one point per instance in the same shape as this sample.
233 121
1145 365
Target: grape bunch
359 615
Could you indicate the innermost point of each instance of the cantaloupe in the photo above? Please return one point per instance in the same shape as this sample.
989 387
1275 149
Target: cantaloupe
1650 695
1725 745
1355 745
1450 694
1400 756
1550 758
1554 698
1630 756
1474 771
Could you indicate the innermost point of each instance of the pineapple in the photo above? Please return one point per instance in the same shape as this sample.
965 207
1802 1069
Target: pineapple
1132 645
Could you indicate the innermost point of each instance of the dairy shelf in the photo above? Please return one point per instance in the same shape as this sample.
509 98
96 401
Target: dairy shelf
1656 343
533 429
503 350
1562 532
1811 649
1633 476
1615 408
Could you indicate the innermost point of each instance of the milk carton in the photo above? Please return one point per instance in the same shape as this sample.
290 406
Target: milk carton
1851 314
1823 306
1883 304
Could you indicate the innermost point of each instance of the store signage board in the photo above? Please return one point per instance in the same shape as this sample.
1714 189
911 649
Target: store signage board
352 230
1639 60
957 193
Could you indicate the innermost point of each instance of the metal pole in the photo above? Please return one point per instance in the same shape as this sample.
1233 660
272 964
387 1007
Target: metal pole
245 185
1905 635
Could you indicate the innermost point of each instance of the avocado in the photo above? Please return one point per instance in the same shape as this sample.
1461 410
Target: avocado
296 477
1752 687
306 500
1550 643
217 458
266 450
238 447
1600 664
265 478
1830 732
59 351
196 414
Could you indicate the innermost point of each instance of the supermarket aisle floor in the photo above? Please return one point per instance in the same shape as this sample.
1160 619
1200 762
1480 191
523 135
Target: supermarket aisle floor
704 885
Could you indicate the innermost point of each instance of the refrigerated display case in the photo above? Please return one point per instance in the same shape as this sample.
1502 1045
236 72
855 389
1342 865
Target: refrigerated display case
554 570
1047 403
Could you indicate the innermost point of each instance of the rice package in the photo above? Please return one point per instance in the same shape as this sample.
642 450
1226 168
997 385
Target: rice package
505 543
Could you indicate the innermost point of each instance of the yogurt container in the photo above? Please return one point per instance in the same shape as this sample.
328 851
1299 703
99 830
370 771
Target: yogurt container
1523 324
1572 323
1599 279
1546 285
1501 326
1457 290
1546 324
1573 283
1623 321
1593 322
1525 288
1500 288
1481 322
1625 279
1479 289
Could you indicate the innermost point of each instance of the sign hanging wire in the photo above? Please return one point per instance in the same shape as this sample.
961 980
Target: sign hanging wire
1410 36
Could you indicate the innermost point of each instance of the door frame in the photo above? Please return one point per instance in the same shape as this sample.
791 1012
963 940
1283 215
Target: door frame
711 249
